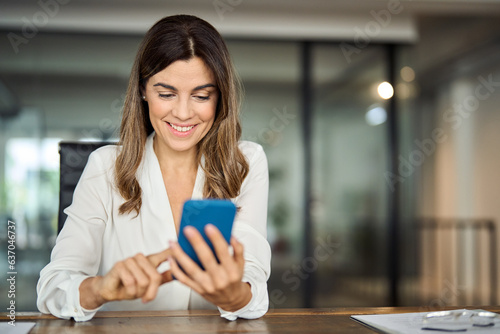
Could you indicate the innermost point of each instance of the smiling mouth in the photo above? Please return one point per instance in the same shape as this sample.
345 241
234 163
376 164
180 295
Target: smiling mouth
181 128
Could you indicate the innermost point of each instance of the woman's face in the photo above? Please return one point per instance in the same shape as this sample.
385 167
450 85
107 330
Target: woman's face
182 100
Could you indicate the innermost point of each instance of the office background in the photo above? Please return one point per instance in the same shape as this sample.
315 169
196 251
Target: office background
374 200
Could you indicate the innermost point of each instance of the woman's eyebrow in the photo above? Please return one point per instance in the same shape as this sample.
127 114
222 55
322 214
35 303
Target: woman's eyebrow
175 89
203 86
165 86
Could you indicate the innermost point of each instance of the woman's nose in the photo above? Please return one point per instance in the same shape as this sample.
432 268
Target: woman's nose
182 109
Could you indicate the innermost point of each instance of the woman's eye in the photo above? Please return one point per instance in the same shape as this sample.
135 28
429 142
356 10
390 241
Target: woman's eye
166 96
202 98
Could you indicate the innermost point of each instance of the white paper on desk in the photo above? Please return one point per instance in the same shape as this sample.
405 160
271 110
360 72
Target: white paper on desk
19 328
411 323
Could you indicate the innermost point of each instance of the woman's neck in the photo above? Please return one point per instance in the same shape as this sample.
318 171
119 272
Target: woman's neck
174 161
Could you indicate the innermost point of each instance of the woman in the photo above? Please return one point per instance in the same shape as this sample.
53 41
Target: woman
178 140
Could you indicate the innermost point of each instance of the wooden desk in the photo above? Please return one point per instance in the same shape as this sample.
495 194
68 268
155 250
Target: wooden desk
334 320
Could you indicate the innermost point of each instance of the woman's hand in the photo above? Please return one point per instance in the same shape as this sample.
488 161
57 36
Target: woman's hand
135 277
220 283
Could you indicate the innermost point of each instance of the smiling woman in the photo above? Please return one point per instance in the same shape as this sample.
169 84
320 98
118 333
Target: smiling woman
179 139
181 117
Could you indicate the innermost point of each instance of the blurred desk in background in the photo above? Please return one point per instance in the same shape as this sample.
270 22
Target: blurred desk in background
202 321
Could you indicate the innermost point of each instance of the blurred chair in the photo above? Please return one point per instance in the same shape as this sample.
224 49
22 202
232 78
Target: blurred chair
73 157
458 262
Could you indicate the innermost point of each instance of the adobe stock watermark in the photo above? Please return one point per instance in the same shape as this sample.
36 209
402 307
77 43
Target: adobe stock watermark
30 28
224 6
448 295
292 278
106 125
455 116
277 124
364 36
105 129
11 272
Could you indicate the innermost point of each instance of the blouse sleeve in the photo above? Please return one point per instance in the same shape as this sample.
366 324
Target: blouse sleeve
250 229
77 252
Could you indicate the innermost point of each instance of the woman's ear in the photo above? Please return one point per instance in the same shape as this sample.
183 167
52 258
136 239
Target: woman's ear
142 90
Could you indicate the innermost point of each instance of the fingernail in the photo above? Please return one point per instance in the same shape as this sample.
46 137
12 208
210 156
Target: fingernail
209 227
188 231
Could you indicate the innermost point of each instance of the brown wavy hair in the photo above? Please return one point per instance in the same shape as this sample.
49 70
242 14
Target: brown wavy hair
173 38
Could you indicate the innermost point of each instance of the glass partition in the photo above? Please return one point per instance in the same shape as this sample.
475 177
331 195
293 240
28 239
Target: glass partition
349 189
271 116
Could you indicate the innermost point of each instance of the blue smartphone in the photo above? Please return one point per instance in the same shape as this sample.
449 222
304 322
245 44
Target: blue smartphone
199 213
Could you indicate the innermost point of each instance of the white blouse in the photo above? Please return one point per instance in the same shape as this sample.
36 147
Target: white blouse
95 236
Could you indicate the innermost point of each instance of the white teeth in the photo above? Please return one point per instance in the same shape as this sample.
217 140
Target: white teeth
181 128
